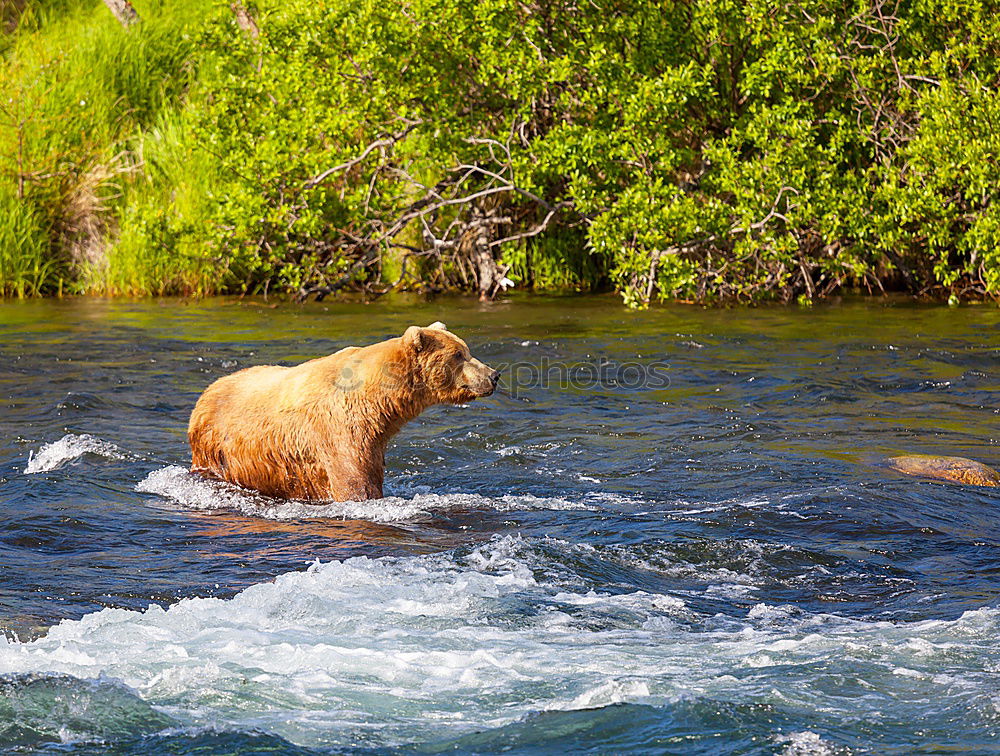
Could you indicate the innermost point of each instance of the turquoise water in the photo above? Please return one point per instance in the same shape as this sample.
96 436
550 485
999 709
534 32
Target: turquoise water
696 552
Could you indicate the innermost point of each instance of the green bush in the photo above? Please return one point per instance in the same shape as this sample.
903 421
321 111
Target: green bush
707 151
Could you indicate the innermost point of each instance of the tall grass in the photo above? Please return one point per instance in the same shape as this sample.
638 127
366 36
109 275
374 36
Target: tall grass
154 252
77 94
25 268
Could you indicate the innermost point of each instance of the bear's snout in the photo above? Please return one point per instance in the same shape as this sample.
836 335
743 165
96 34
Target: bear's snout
480 379
492 376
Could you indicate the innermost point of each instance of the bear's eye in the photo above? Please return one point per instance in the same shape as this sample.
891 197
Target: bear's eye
456 356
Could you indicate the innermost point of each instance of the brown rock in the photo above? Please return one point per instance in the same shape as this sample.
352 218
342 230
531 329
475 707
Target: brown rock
953 469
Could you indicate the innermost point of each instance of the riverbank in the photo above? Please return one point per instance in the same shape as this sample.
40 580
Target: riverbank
712 154
354 301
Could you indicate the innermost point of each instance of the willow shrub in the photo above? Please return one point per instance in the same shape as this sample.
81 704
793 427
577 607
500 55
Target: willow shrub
707 150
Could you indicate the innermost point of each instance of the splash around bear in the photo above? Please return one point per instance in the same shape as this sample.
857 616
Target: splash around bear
318 431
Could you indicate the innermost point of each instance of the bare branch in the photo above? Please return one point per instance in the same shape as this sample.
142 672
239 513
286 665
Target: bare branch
533 232
386 142
123 11
244 20
509 184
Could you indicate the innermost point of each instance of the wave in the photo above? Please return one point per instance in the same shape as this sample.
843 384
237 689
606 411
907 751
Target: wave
69 447
398 650
194 491
808 743
38 708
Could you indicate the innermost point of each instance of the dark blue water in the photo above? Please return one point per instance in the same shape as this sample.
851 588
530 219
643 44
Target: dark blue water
713 563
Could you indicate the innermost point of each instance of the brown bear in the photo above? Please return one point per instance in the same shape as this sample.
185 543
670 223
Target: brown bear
319 430
954 469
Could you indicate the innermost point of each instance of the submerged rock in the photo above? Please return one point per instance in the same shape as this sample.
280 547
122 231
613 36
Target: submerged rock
954 469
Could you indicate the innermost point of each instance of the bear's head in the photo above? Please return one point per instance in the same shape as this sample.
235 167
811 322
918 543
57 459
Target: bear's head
446 372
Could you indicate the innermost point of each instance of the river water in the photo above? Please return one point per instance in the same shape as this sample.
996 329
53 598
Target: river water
683 543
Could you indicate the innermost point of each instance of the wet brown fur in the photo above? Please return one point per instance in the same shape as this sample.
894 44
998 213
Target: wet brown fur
319 430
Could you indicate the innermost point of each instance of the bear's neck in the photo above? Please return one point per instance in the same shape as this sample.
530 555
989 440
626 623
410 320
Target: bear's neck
388 401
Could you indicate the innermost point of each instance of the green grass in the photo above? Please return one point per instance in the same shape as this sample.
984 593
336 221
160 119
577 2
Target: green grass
152 253
25 268
89 118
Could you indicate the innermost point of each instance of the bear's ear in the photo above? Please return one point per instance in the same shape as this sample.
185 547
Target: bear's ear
438 325
413 337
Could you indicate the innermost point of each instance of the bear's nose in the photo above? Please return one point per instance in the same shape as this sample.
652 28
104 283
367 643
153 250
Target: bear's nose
494 377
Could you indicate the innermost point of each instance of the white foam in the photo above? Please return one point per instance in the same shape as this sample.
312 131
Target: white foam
399 650
806 743
606 694
70 447
722 581
196 492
